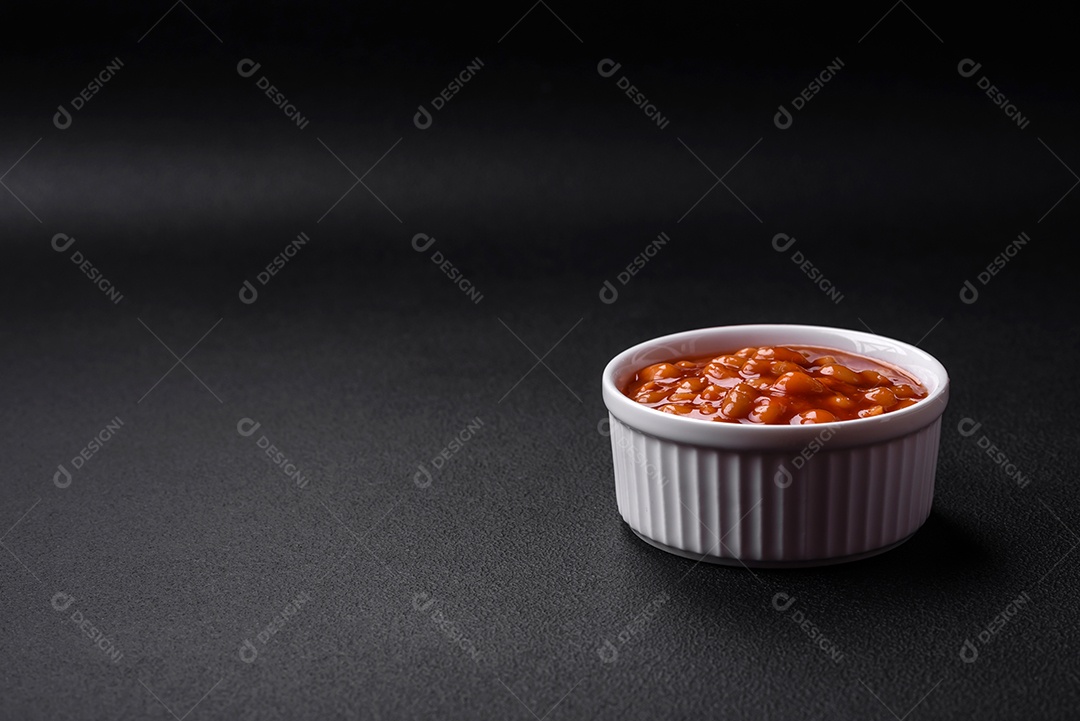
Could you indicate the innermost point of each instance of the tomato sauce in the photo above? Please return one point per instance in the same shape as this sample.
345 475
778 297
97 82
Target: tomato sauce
775 385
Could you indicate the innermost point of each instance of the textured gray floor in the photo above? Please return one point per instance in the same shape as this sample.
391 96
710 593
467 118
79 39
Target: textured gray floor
505 575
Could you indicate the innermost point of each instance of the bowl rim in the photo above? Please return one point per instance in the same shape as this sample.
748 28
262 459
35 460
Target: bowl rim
839 434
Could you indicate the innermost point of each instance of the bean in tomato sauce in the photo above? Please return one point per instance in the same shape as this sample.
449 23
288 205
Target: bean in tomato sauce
775 385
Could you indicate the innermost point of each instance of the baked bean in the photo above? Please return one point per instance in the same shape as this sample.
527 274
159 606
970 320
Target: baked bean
798 384
779 368
838 402
652 396
881 396
660 370
767 410
775 385
738 401
719 370
840 373
712 393
839 387
780 353
754 367
873 378
693 384
688 389
903 390
732 361
814 415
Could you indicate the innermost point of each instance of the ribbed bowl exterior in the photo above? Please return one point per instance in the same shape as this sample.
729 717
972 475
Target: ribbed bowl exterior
775 508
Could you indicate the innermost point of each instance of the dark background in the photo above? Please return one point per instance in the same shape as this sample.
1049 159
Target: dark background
539 180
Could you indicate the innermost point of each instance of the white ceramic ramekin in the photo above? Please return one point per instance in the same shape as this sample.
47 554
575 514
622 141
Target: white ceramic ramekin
774 496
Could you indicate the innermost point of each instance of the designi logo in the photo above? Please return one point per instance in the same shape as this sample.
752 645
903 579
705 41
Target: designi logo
62 601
